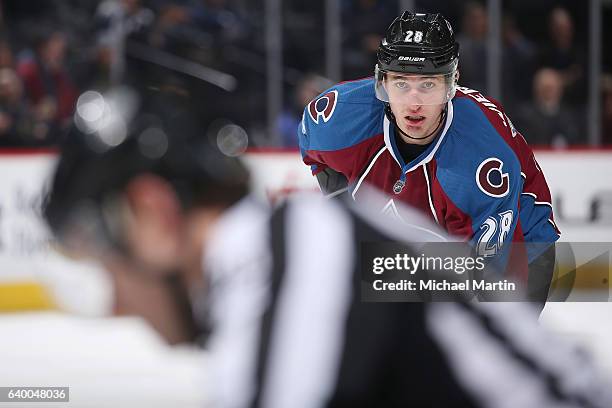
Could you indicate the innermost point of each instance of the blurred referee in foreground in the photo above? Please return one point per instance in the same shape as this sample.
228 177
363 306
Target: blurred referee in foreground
278 290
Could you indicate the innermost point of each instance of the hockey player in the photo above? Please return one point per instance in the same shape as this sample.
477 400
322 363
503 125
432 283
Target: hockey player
282 287
449 151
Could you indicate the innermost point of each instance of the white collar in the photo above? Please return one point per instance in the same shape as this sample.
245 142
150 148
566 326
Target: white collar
426 159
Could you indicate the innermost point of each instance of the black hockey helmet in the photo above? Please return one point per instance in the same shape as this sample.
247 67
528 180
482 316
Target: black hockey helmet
110 142
419 44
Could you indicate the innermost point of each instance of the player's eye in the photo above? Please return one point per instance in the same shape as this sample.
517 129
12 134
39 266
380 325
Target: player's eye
401 84
428 85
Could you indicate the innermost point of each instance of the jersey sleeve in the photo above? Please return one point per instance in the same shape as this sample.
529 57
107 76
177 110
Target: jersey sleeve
536 211
480 174
483 190
533 221
495 212
537 222
316 164
341 129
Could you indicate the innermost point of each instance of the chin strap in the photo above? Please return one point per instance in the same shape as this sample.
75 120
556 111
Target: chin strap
399 184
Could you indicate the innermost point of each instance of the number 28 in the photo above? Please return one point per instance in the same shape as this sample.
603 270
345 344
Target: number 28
495 233
414 36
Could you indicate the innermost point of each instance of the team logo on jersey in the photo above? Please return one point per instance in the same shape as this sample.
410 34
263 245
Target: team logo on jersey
323 107
491 179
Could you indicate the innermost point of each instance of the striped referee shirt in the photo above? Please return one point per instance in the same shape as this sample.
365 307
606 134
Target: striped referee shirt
290 330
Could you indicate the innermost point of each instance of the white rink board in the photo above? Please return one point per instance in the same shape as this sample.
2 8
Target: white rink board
576 179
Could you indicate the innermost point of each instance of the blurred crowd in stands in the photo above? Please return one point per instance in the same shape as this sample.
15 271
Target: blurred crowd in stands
53 50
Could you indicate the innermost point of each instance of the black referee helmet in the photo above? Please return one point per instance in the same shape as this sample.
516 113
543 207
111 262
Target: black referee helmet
117 136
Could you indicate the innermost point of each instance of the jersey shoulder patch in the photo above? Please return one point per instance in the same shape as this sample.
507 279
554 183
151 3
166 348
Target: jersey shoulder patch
323 107
341 117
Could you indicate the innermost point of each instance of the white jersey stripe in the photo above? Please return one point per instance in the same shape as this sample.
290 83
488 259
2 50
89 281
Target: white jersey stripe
308 331
553 223
575 374
535 198
449 120
412 223
483 364
365 173
429 194
240 297
387 137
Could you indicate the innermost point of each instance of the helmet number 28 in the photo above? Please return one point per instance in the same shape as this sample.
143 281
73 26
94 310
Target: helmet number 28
414 36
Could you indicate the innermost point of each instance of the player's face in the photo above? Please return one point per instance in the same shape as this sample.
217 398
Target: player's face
417 102
152 225
149 235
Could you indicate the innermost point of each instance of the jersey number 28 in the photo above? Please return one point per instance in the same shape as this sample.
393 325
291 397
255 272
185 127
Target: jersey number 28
495 233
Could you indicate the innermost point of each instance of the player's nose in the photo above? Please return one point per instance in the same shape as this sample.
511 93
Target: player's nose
414 107
413 102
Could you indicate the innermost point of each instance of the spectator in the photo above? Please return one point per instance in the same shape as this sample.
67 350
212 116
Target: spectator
547 120
6 54
49 87
15 117
473 46
563 54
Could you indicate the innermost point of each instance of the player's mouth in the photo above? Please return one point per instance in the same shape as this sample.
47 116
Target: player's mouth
414 120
